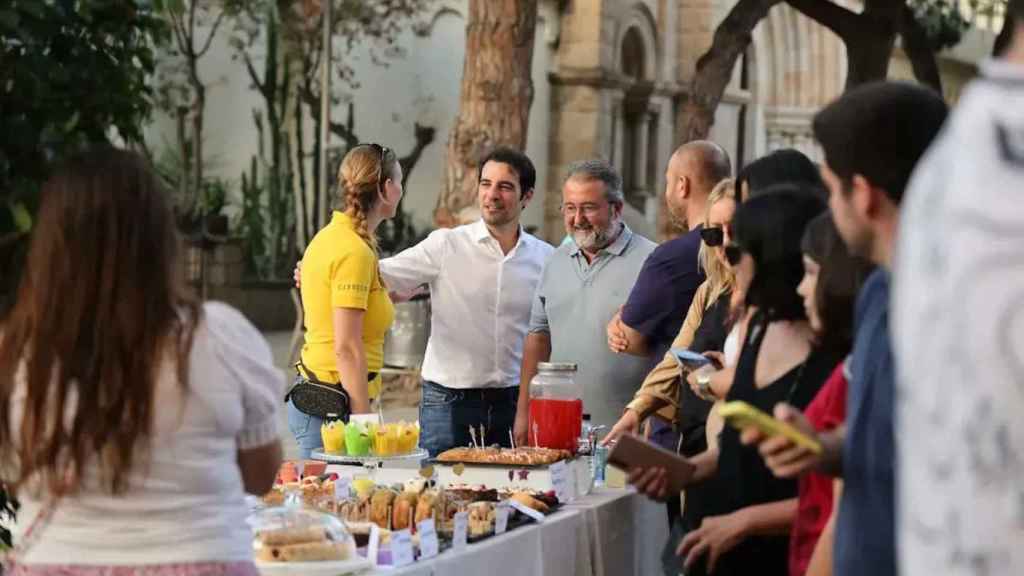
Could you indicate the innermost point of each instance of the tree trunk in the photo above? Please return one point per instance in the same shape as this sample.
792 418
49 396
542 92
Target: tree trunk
494 105
697 107
867 56
198 105
869 36
714 68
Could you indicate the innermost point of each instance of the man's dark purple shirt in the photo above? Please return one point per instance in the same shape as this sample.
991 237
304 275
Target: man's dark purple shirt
661 297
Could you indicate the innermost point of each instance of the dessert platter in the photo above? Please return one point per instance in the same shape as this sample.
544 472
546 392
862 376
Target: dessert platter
368 443
360 507
293 540
515 457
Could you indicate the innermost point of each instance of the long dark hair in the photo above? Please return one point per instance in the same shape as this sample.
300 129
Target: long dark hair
101 303
839 280
769 227
785 166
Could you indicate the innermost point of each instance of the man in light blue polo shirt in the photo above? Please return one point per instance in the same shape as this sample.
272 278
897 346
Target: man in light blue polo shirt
583 284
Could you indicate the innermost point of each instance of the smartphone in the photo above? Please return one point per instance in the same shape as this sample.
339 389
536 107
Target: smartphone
633 452
741 415
689 358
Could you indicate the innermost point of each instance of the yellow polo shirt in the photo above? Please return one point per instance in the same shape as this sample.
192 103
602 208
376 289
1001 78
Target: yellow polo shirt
339 270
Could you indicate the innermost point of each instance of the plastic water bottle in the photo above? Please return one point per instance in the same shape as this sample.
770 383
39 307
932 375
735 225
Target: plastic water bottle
599 460
598 455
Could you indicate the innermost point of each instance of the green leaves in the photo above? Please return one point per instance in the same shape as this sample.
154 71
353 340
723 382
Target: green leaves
71 72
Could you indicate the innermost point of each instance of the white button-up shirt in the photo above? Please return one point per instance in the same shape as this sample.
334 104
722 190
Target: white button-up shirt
480 302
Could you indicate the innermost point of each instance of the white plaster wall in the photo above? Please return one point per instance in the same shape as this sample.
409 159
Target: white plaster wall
421 85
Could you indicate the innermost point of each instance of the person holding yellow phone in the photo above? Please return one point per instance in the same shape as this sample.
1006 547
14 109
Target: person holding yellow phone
744 522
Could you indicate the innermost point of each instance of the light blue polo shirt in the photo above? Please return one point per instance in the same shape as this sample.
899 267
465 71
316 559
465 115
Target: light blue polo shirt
574 303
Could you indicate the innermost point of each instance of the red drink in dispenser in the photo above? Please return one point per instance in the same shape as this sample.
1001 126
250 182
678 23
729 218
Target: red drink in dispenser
556 407
559 422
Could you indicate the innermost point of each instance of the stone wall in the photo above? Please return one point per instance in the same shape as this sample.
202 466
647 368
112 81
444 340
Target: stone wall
267 304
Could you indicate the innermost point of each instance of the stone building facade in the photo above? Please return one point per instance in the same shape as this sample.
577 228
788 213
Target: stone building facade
607 78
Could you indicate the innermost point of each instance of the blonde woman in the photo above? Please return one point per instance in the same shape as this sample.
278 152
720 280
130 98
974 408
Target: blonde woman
703 330
347 307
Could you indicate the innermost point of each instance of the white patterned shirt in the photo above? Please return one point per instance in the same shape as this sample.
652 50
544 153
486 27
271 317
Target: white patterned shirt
958 328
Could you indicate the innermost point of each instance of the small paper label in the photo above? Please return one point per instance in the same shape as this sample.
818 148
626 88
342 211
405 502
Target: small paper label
539 517
428 538
501 518
342 488
401 548
461 530
560 479
374 544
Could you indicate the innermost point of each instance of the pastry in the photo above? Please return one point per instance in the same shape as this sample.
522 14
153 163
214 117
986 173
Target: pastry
380 507
472 493
355 509
415 485
293 535
404 511
529 501
304 552
504 456
481 518
431 504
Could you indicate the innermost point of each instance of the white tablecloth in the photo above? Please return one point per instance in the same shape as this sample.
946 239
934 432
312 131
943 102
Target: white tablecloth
608 533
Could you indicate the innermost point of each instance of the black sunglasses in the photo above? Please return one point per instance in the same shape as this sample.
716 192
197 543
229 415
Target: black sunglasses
713 236
733 254
381 150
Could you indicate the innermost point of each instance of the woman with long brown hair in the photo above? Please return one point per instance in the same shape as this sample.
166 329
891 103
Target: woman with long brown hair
347 307
135 419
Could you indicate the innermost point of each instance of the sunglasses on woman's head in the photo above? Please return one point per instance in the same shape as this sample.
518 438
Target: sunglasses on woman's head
733 254
713 236
381 150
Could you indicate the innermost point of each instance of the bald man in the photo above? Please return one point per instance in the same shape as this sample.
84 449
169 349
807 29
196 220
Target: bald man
658 302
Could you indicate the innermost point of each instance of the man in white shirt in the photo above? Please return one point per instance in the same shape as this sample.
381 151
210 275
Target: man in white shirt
958 285
482 277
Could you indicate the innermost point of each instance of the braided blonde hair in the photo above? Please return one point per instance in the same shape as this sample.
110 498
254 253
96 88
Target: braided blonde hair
721 278
361 180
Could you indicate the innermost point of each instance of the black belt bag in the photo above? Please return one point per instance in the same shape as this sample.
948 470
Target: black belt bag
317 398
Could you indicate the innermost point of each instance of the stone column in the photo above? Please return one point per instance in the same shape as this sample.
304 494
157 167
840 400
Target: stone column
640 154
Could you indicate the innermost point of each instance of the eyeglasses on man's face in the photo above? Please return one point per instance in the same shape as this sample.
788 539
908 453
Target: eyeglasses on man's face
588 209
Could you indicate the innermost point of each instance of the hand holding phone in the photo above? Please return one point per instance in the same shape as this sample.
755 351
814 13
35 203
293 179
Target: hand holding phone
741 415
690 359
632 452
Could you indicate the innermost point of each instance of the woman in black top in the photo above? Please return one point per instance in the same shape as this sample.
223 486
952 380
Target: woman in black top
746 518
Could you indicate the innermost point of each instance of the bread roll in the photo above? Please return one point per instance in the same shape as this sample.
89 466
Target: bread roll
286 536
306 552
404 511
380 507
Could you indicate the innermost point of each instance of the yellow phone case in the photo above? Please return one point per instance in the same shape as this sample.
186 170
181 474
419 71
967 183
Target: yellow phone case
741 415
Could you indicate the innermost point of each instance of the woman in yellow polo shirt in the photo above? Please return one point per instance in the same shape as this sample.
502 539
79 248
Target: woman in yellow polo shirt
347 307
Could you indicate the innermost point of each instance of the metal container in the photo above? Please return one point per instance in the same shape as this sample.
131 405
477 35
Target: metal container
406 342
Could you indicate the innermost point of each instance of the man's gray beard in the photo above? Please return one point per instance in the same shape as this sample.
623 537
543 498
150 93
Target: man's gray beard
594 240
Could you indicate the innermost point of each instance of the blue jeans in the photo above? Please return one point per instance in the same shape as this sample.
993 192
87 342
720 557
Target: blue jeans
305 429
446 414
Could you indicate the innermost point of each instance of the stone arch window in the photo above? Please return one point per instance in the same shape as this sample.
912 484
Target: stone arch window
632 55
636 120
